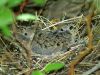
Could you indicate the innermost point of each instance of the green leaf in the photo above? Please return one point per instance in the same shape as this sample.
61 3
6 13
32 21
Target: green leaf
6 31
40 2
27 17
2 2
37 72
12 3
53 67
6 16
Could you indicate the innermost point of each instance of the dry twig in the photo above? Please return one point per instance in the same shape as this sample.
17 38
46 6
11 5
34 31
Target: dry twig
89 49
96 67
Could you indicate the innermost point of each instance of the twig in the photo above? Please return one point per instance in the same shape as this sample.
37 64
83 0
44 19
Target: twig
46 20
24 71
89 49
65 55
64 21
96 67
7 53
22 6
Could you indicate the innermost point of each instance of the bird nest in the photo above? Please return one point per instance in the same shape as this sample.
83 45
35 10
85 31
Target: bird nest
36 43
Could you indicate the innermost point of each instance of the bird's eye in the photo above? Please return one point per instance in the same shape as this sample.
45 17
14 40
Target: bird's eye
62 30
25 34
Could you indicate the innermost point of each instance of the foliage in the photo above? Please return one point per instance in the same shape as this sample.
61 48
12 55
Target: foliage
6 14
12 3
37 72
27 17
53 67
49 68
39 2
3 2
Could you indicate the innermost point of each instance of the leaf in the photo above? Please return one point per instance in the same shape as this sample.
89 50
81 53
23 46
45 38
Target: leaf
6 16
37 72
2 2
12 3
6 31
40 2
27 17
53 67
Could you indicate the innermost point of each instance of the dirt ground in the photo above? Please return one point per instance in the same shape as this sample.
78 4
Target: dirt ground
61 34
